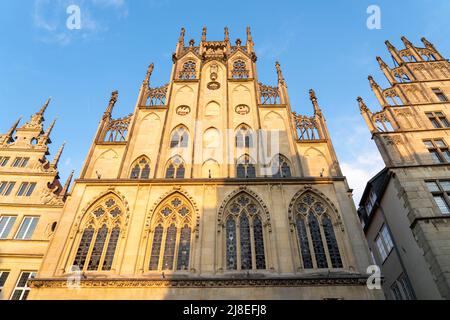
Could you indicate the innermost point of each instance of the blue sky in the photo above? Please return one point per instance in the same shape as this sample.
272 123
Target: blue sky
323 45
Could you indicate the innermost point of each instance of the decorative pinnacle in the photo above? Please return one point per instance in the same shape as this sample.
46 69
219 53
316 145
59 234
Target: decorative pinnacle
313 98
362 105
50 128
227 34
191 43
112 102
279 73
381 63
182 33
44 107
67 184
249 34
13 127
58 156
427 43
372 81
406 41
149 74
204 34
238 42
390 46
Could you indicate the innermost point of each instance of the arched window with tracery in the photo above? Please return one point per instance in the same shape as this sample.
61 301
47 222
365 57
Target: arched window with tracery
244 137
188 71
171 235
100 234
280 167
315 233
239 70
179 138
176 168
140 169
245 234
245 167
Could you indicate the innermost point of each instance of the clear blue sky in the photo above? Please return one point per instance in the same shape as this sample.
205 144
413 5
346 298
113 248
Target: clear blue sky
323 45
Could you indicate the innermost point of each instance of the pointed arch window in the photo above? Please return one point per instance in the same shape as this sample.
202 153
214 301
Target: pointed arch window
239 70
171 240
281 167
140 169
316 237
244 138
179 138
100 236
245 167
176 169
188 72
244 234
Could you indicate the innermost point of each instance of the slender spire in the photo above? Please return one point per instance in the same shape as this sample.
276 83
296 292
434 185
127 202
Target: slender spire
55 161
411 48
149 74
367 115
227 34
182 34
44 107
430 46
394 52
204 34
249 41
362 105
67 184
112 102
50 128
13 128
280 74
249 35
377 90
386 70
313 98
406 42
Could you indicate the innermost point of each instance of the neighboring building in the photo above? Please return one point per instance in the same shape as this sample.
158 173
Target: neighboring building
175 202
405 209
31 202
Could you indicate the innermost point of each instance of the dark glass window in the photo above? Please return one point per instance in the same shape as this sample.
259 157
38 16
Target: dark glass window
156 248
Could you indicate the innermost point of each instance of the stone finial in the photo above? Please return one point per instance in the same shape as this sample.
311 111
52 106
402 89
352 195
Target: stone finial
227 34
112 102
204 34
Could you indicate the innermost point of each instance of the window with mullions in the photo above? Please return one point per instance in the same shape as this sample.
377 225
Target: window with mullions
20 162
438 119
26 189
176 169
22 289
188 72
3 277
6 224
6 188
4 161
440 95
27 228
244 234
281 167
180 138
438 150
140 169
245 167
384 243
171 235
244 138
100 235
316 237
440 189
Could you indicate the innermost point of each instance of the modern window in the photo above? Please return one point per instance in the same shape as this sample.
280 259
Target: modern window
440 95
370 202
171 235
22 289
100 236
176 169
20 162
27 228
6 188
384 243
316 236
438 119
26 189
438 150
4 161
3 277
6 224
440 189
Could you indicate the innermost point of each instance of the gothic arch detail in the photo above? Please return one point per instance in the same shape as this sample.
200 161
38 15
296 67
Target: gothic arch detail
253 194
179 190
100 231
